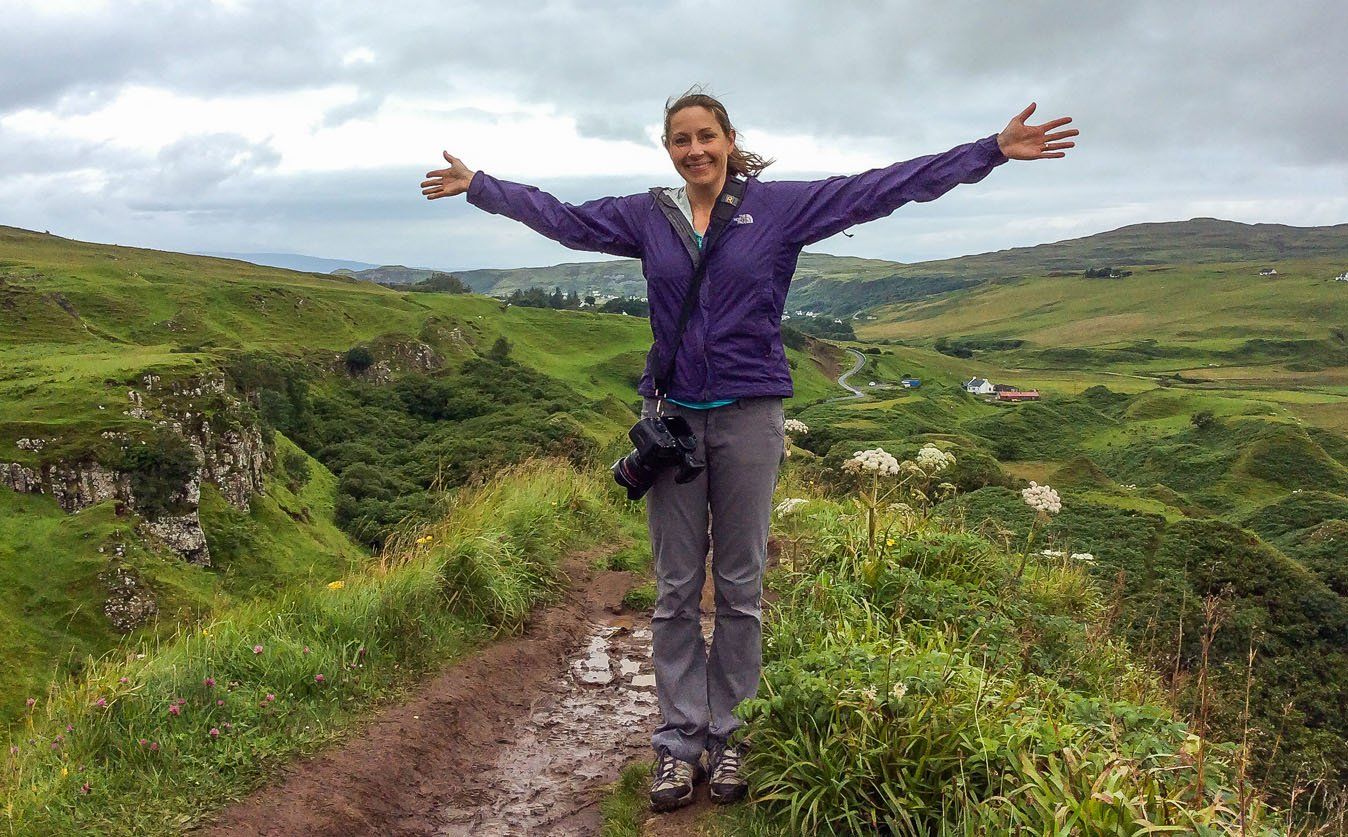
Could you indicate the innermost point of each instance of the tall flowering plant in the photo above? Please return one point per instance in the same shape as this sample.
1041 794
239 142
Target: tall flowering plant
875 469
794 427
922 472
1046 503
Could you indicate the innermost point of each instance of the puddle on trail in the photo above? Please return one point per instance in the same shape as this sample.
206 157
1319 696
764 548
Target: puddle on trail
583 727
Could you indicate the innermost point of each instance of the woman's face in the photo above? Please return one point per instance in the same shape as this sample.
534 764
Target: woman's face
698 147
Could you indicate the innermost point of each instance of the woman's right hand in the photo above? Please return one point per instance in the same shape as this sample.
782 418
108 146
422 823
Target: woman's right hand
446 183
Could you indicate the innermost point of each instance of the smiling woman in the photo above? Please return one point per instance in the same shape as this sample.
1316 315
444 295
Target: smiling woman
718 365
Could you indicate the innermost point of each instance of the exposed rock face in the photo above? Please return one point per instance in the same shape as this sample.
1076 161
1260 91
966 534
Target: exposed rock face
74 485
130 603
234 460
181 533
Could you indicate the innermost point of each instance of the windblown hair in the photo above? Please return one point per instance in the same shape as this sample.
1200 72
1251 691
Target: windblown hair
740 162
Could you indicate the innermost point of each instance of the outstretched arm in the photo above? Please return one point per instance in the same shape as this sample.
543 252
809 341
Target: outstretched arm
823 208
606 225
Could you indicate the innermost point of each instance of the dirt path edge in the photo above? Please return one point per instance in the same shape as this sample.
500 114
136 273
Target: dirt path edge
410 759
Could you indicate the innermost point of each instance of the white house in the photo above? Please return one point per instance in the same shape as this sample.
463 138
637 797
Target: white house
1342 277
1268 271
979 386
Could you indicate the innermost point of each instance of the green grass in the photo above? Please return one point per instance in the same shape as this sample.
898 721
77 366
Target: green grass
626 806
327 652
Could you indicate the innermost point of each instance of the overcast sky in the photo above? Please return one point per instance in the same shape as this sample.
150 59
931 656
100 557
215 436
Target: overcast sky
306 127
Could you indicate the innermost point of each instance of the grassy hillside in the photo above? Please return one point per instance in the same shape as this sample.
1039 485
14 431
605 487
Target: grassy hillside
355 452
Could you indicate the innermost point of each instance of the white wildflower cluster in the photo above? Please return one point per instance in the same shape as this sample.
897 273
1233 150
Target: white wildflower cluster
789 506
1052 553
1041 498
1083 557
933 459
875 460
793 427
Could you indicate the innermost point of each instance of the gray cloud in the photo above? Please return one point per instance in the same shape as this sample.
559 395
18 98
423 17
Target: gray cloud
1181 106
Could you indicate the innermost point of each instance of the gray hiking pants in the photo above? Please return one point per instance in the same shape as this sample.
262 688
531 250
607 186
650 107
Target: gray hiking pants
742 444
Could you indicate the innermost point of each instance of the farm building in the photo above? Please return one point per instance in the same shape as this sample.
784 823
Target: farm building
979 386
910 383
1018 395
1268 271
1342 277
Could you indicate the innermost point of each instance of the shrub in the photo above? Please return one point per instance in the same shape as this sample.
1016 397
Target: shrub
159 467
358 359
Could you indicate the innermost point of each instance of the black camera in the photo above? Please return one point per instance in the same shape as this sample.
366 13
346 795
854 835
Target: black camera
660 441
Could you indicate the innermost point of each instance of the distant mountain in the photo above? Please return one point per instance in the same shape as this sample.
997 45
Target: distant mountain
1196 241
294 261
843 285
390 274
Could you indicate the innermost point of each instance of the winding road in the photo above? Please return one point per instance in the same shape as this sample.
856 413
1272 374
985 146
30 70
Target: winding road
842 379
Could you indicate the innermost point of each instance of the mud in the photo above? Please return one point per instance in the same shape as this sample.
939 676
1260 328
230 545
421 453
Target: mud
425 765
583 727
521 738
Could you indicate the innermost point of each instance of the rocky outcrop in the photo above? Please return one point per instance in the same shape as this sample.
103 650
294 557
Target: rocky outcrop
74 485
391 356
130 602
235 460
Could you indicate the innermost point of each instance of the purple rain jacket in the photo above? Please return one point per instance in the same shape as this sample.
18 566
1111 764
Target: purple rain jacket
732 347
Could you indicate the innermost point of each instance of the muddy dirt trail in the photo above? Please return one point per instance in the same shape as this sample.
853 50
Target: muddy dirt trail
521 738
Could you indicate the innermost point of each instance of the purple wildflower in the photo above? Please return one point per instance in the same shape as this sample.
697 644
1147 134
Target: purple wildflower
306 650
175 709
215 733
123 680
31 702
219 703
84 788
142 742
154 746
257 649
101 702
270 697
209 682
318 678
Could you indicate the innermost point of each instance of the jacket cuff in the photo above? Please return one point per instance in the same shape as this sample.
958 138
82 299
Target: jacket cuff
994 151
477 187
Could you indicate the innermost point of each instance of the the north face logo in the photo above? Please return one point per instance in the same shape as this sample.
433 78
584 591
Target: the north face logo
746 218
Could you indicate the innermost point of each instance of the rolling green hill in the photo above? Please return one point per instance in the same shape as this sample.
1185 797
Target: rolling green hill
330 409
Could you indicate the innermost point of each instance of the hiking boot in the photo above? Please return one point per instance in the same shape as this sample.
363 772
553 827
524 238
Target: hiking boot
672 781
727 780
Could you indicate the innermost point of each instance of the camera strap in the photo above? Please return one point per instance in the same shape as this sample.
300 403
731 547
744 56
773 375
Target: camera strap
724 209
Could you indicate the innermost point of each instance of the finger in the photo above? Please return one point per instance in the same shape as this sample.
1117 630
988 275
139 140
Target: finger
1051 154
1025 114
433 182
1061 135
431 190
1049 126
1052 146
448 159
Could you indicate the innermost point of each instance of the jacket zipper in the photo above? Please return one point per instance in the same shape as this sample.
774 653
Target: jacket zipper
685 231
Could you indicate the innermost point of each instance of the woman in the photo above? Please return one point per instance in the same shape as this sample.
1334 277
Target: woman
730 376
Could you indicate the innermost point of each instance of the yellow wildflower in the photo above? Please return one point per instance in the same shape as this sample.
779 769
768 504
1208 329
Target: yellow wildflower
889 542
65 771
336 585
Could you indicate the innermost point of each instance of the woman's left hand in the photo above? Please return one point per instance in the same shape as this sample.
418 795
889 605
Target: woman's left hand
1019 141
